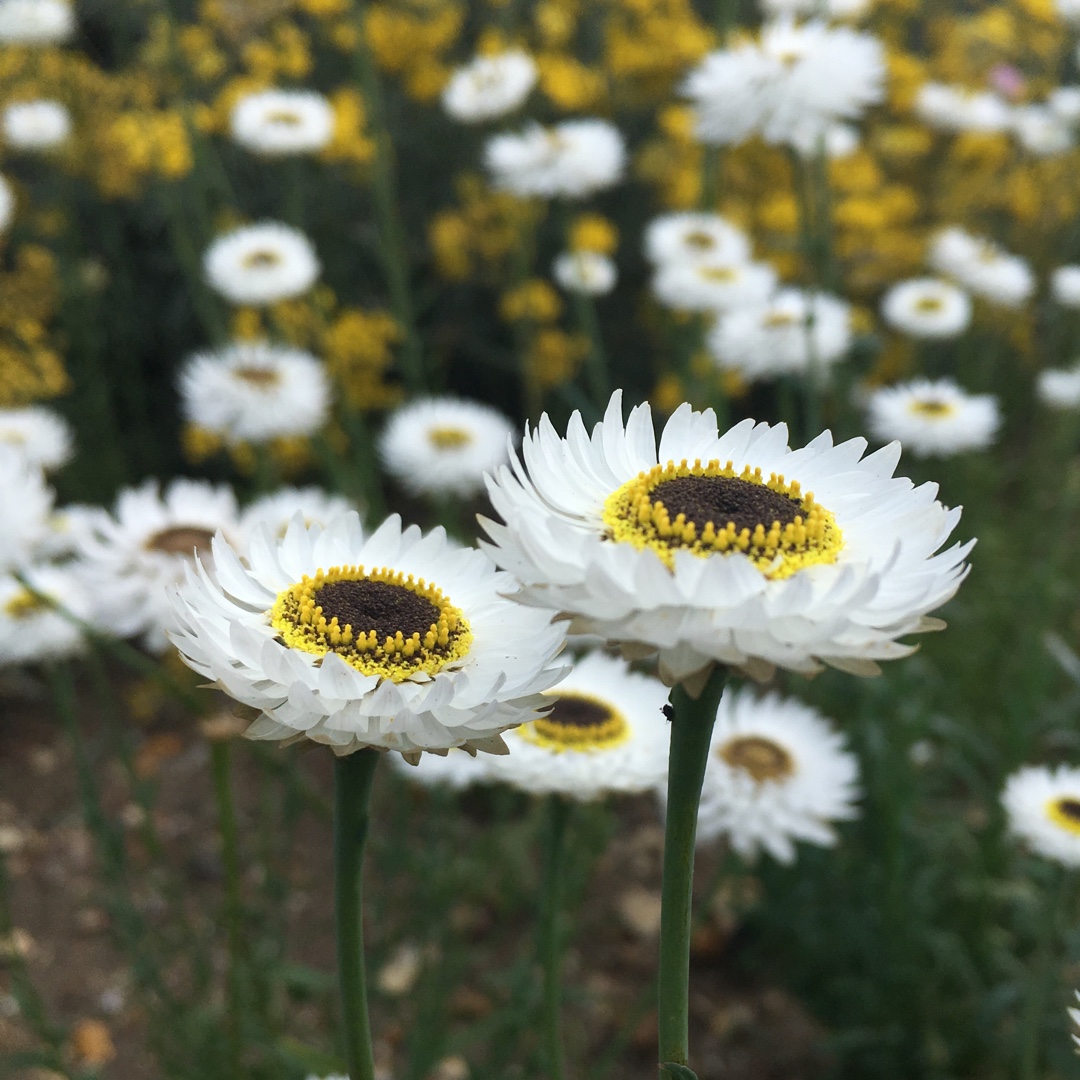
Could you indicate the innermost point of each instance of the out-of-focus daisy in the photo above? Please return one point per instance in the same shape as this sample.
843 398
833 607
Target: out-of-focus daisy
835 140
489 86
1065 286
35 125
927 308
693 237
830 9
1059 388
7 204
606 733
1074 1016
396 640
728 90
1043 810
276 510
777 773
1064 103
712 286
573 159
261 264
982 267
26 506
933 418
952 108
1040 131
723 547
35 22
779 337
133 557
586 272
1069 10
40 435
31 630
456 769
276 123
444 446
252 391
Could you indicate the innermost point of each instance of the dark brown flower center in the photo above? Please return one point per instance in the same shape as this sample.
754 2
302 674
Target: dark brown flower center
377 605
261 260
721 499
181 540
1069 808
761 758
578 712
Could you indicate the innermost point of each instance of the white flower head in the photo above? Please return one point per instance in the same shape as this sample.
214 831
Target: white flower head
786 335
573 159
1043 810
777 773
712 286
1065 286
31 630
40 435
1041 131
695 237
456 769
607 733
1068 10
1059 388
982 267
934 418
395 640
444 446
277 123
252 391
35 125
277 509
26 508
1074 1016
586 272
952 108
834 140
927 308
489 86
1064 103
261 264
35 22
723 547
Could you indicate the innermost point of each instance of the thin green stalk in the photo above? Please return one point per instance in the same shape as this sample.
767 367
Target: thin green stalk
1044 966
221 763
596 359
556 812
353 777
691 730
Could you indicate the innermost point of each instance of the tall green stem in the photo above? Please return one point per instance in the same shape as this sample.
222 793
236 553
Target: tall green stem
353 777
557 811
1036 995
691 731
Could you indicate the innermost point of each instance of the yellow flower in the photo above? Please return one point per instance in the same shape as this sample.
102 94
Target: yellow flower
591 232
448 235
358 347
533 301
554 357
349 143
569 83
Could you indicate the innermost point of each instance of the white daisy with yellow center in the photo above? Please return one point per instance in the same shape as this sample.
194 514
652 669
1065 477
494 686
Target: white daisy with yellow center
489 86
723 547
695 237
982 267
396 640
927 308
31 630
707 286
933 418
261 264
1043 809
280 123
41 436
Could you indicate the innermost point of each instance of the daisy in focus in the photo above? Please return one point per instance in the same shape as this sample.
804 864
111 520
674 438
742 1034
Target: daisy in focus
1043 810
927 308
489 86
278 123
933 418
40 435
261 264
395 640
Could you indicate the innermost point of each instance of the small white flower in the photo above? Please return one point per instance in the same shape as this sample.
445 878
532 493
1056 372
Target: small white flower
777 338
729 91
276 510
927 308
1064 103
35 125
694 237
573 159
31 630
489 86
261 264
1043 809
35 22
26 507
1069 10
586 272
41 436
1065 286
251 391
1041 131
952 108
934 418
982 267
444 446
276 123
1059 389
713 286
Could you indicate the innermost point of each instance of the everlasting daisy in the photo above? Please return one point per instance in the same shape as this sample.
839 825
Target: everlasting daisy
277 123
1043 809
31 631
444 446
606 733
26 508
694 237
927 308
729 548
456 769
1040 131
1059 389
41 436
35 22
35 125
835 140
776 338
934 418
728 90
573 159
777 772
712 286
395 640
586 272
489 86
252 391
1065 286
1064 103
261 264
952 108
982 267
275 511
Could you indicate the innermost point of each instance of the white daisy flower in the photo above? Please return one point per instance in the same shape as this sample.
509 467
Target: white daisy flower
729 93
26 508
1074 1016
952 108
982 267
395 640
1043 809
276 510
35 22
586 272
1069 10
775 338
573 159
729 548
252 391
42 436
933 418
712 286
607 733
695 237
1064 103
31 630
489 86
7 204
777 772
35 125
927 308
456 769
1065 286
1040 131
1059 389
261 264
68 528
135 556
277 123
444 446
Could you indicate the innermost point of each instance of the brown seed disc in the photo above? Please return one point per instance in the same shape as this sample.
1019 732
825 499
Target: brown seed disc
376 605
721 499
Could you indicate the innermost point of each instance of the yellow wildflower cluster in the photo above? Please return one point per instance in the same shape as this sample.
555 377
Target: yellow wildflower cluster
411 40
31 368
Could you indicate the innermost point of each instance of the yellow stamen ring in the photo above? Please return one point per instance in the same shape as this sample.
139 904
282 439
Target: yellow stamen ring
24 604
580 723
1065 813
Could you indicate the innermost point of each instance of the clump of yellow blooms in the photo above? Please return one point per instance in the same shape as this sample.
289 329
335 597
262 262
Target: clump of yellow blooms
592 232
359 350
31 368
533 301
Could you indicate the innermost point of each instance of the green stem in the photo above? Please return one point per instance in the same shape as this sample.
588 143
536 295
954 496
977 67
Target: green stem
1036 997
353 776
691 731
557 812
